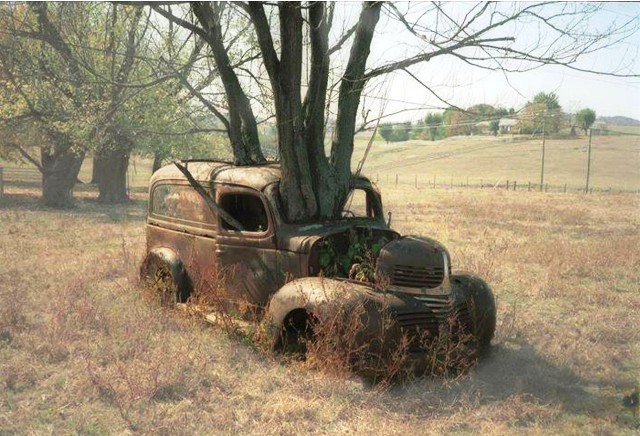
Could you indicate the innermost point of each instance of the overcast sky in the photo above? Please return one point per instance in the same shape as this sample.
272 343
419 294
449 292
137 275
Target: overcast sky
464 86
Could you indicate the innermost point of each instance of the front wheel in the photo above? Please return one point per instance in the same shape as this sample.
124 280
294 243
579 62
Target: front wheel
476 307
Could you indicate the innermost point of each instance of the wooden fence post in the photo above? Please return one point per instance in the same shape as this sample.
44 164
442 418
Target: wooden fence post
396 180
507 185
515 185
529 187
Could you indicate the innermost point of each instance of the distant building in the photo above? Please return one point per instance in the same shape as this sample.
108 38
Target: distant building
507 125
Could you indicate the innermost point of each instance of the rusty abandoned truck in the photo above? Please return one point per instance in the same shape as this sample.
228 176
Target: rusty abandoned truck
295 272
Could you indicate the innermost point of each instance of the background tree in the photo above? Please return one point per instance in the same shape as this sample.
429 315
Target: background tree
43 96
494 127
585 119
397 132
84 78
457 122
543 112
549 111
402 131
433 122
549 100
386 131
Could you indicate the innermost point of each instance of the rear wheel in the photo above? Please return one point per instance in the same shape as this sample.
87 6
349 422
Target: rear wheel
165 280
297 331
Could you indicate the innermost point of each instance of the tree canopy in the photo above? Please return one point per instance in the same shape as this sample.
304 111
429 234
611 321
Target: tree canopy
87 78
585 119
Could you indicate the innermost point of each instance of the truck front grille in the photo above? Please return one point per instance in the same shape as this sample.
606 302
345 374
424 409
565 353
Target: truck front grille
417 277
437 312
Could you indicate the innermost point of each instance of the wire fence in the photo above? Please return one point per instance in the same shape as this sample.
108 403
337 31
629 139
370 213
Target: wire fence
33 177
458 182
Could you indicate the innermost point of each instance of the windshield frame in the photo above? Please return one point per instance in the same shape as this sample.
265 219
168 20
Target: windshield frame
374 200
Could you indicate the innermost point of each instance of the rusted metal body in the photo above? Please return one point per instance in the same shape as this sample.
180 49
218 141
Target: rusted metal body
278 266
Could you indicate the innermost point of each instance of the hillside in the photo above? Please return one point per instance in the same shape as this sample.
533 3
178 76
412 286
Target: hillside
615 161
620 121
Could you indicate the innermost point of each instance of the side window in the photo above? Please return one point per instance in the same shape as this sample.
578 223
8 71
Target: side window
181 202
357 205
247 209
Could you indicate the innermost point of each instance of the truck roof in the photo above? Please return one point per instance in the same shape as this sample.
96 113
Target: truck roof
254 176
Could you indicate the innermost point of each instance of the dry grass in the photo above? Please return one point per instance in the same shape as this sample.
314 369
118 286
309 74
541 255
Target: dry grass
82 352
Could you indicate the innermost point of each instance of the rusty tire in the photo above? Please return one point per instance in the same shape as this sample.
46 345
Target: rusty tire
296 332
165 280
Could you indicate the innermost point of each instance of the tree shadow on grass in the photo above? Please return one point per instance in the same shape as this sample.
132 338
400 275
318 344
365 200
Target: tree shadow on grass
511 371
133 210
519 369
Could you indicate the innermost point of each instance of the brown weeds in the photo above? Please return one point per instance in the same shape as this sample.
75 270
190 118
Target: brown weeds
565 354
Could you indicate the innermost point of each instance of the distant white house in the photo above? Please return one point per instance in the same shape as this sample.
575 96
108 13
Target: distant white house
506 125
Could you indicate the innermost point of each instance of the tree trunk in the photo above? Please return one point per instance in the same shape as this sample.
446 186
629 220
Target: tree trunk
95 171
296 188
59 176
157 162
322 174
112 181
351 87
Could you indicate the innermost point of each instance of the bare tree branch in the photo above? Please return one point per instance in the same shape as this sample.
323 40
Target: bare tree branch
344 38
25 155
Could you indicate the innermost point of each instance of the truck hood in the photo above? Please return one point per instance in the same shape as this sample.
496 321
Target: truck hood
299 239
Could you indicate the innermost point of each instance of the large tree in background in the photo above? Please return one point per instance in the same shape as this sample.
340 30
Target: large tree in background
585 119
43 95
67 89
314 183
87 78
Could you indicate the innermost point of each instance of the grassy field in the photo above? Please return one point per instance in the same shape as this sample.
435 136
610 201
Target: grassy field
615 161
82 352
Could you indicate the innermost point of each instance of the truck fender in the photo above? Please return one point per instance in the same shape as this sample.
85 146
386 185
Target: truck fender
471 290
309 300
163 256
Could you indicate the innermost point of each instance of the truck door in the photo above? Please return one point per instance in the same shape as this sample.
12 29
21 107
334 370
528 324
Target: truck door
247 256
